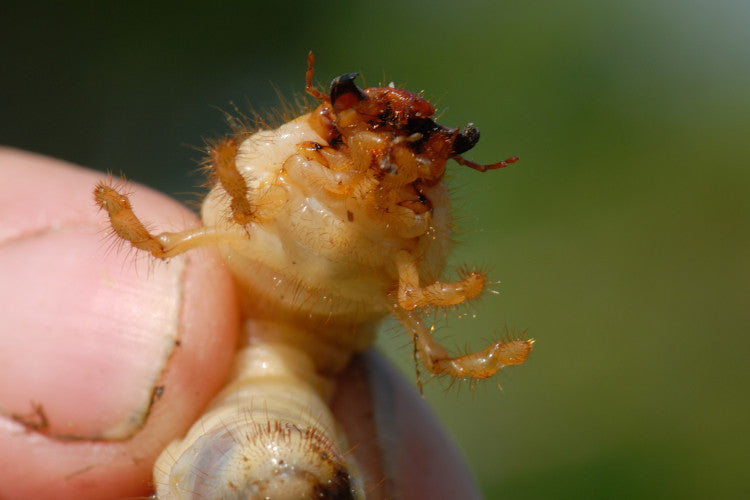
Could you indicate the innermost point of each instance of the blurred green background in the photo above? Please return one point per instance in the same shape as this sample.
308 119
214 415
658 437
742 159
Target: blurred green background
621 238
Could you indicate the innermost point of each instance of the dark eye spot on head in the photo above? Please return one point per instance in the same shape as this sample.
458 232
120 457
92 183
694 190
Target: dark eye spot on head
424 126
466 139
345 93
336 142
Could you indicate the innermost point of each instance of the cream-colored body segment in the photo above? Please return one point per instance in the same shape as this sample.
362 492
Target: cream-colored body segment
266 434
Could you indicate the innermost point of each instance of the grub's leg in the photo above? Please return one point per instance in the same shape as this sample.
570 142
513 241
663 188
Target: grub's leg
308 79
482 364
483 168
411 295
126 225
230 178
435 357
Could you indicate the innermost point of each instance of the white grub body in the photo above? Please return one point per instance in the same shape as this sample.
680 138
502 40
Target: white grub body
315 273
328 223
320 258
269 434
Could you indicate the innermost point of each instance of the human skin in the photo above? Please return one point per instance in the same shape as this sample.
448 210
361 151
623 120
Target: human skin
107 355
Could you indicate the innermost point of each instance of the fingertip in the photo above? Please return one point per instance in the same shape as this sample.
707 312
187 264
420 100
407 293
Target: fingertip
398 441
421 455
120 356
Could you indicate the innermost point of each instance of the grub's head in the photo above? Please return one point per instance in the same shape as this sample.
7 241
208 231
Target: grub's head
417 146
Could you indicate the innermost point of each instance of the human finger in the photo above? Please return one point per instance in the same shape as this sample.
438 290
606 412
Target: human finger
105 359
402 449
